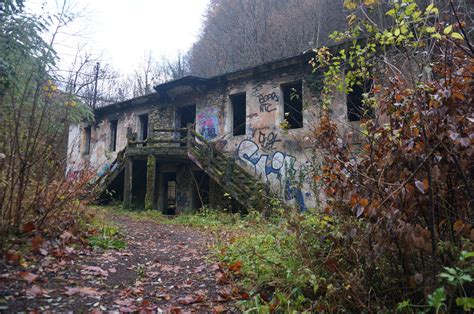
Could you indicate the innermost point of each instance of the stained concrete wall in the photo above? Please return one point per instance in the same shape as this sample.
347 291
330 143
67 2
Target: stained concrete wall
101 156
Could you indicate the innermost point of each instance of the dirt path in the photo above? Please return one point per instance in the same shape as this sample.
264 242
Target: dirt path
164 268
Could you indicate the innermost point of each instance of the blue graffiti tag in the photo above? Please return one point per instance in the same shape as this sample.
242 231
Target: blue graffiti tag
280 164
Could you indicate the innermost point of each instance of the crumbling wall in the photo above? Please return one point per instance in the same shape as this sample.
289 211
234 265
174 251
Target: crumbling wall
277 156
162 118
100 156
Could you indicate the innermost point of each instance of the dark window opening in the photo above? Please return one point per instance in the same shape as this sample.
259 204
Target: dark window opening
293 104
187 115
355 102
113 135
143 127
87 140
239 112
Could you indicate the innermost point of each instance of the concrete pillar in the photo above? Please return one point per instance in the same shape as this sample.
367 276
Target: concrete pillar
150 182
184 189
127 183
161 193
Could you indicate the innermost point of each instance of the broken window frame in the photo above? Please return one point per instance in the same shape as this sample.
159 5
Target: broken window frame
239 101
143 131
113 135
290 95
356 109
87 140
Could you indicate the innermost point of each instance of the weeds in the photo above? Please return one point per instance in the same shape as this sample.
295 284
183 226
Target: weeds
107 238
103 234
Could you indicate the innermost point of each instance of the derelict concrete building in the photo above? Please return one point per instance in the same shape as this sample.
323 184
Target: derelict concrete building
213 141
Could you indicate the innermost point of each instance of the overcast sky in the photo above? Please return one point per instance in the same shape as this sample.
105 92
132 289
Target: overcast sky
122 31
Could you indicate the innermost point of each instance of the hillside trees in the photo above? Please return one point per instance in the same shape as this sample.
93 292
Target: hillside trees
243 33
238 34
34 118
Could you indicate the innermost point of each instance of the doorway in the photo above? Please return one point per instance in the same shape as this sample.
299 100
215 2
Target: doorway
201 190
169 193
186 115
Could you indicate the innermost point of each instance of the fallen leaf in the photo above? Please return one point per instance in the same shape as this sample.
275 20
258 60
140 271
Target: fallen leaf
66 236
112 270
12 257
199 268
218 309
244 296
29 277
186 259
95 270
36 291
187 284
173 310
458 226
36 243
28 227
224 294
235 267
221 278
190 299
364 202
84 291
165 297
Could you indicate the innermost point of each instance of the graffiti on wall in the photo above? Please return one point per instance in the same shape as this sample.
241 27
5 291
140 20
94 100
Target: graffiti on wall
268 140
265 104
208 122
278 165
182 200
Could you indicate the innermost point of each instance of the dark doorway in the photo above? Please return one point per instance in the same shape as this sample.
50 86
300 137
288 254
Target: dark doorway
201 190
114 191
139 172
170 193
116 187
186 115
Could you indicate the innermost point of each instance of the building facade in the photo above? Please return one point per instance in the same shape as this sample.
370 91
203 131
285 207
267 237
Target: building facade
196 141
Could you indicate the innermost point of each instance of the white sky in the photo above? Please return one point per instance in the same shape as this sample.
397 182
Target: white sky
123 31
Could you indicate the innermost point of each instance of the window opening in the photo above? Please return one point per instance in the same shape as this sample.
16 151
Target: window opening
239 112
87 140
355 102
113 135
293 104
143 126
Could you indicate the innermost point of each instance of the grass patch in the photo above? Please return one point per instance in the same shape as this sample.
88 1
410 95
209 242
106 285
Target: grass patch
107 238
204 218
103 233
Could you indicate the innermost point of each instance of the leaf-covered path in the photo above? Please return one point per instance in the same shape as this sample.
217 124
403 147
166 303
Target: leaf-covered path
163 268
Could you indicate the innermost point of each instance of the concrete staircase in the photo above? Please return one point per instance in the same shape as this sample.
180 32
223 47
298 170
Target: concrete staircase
245 188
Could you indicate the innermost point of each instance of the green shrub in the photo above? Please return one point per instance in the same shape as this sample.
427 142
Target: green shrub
292 262
109 237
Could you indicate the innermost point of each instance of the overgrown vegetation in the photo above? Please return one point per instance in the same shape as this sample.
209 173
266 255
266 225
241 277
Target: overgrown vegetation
34 118
396 228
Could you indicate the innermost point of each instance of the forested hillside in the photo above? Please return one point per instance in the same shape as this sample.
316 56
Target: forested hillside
238 34
243 33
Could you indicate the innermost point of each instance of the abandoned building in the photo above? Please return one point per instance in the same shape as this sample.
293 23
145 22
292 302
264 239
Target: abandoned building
214 142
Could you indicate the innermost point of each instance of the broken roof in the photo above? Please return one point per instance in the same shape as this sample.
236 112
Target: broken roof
186 84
